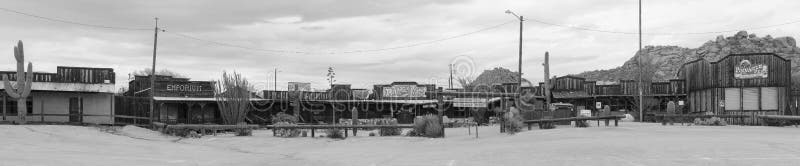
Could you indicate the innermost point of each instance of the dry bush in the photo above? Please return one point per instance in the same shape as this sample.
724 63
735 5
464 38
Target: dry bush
427 126
385 131
335 133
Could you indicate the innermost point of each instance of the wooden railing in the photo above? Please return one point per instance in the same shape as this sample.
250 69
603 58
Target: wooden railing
70 75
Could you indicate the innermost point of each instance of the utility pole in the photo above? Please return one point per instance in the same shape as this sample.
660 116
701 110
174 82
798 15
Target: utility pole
519 70
276 79
153 76
546 80
519 89
639 64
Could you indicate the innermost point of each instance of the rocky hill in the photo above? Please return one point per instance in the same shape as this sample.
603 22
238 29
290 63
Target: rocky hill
497 75
668 59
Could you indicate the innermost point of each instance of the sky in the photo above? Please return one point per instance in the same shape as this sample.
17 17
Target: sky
367 42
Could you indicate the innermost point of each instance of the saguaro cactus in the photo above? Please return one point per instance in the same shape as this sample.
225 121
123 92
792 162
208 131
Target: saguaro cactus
22 88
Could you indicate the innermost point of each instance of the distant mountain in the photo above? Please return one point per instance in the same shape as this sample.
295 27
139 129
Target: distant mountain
668 59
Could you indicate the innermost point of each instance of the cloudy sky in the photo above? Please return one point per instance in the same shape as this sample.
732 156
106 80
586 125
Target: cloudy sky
367 42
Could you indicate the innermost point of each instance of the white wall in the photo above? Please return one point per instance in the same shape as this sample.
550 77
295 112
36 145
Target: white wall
97 107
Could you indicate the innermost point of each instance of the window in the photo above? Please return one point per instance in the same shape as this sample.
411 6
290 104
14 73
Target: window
11 106
769 98
732 99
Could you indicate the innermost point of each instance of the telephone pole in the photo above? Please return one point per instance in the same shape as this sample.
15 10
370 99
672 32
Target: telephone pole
639 64
519 70
275 73
153 75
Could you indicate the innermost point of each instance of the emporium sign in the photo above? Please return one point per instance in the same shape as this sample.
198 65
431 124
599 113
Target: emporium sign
747 70
184 87
404 91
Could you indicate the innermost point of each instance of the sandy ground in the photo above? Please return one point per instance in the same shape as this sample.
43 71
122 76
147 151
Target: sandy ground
629 144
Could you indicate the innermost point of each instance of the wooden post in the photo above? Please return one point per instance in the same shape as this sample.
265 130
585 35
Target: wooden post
41 110
4 106
440 104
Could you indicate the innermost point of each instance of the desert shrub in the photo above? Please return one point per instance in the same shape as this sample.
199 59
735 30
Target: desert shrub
385 131
243 132
513 124
698 121
419 123
286 132
713 121
186 133
334 133
582 123
371 134
716 121
427 126
283 117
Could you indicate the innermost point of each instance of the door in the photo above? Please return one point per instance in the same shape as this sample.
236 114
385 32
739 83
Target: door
75 109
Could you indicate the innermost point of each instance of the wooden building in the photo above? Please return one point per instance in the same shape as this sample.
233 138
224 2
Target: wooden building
622 95
177 100
72 94
750 84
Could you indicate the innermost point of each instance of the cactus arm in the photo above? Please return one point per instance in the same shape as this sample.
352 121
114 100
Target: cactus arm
20 63
9 89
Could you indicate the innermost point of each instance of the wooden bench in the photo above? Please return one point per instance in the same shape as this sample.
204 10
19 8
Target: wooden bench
607 119
345 127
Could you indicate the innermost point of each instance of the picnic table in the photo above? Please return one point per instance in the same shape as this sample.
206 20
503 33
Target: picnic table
607 119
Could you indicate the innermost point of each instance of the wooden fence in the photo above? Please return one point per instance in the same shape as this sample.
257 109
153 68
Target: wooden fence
131 110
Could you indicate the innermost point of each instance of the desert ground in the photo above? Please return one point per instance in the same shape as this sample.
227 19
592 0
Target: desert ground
629 144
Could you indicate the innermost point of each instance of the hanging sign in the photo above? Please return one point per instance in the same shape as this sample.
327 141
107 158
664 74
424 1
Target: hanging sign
598 105
747 70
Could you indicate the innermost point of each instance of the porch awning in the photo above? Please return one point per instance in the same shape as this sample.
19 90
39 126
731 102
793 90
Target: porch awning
195 99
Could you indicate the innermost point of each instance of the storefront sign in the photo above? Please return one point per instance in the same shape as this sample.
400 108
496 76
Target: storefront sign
470 102
404 91
747 70
184 87
470 105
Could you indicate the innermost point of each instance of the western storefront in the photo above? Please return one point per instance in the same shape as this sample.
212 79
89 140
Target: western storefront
749 84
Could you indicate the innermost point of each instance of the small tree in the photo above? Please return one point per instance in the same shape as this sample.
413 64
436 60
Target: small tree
331 76
233 97
163 72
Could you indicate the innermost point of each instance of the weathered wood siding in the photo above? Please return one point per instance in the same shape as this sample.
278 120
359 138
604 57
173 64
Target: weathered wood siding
568 83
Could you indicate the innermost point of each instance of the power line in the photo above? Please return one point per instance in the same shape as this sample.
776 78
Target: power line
656 33
72 22
343 52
